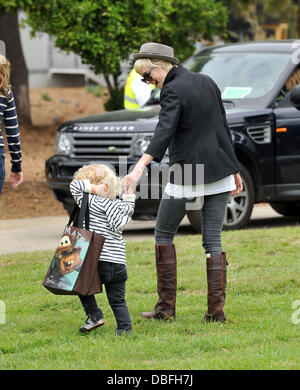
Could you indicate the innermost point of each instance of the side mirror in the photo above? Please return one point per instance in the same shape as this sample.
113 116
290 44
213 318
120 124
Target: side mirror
295 96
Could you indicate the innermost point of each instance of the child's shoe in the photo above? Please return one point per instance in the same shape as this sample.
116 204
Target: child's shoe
91 324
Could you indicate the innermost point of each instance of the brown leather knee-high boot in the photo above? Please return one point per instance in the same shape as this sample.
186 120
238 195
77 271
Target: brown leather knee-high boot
166 283
216 283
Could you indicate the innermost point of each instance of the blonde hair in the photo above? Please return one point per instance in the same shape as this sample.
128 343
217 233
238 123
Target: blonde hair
146 63
293 80
100 174
4 76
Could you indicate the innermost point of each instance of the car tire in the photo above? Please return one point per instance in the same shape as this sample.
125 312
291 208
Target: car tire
288 209
239 209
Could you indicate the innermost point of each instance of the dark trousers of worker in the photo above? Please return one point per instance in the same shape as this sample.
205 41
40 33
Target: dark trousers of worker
113 276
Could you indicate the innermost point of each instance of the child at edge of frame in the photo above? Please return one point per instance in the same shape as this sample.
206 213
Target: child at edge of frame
108 216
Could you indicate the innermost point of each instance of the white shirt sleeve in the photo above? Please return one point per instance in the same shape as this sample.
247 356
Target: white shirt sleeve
78 187
142 91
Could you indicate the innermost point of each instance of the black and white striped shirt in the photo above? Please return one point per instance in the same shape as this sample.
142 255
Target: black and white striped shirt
9 114
107 218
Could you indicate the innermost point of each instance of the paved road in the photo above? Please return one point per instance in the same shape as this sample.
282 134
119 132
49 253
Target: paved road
31 234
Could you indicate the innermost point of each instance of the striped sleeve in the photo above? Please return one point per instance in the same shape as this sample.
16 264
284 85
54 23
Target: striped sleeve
118 212
77 188
129 199
13 134
3 105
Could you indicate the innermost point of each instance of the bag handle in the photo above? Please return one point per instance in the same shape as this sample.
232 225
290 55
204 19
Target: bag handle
80 213
74 216
84 212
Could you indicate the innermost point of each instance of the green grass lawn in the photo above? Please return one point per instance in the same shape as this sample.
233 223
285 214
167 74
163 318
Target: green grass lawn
41 329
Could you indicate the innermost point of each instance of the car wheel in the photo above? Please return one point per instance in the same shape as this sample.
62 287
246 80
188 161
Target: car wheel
239 209
288 209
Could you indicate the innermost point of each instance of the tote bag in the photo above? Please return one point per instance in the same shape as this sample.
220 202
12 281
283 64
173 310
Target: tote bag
74 266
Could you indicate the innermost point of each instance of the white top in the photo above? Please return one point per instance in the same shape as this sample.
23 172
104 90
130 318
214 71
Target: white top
190 191
142 91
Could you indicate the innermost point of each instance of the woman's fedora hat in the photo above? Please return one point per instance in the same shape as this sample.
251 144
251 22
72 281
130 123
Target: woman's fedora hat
158 51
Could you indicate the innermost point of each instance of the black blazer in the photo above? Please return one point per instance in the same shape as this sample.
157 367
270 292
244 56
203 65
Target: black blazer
192 124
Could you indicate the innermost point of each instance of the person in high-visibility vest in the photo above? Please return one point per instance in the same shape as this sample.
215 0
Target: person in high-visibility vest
136 93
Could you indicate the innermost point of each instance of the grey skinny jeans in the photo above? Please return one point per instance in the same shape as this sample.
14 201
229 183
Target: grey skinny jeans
172 210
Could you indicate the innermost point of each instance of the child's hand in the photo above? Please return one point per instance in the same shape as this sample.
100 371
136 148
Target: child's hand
128 187
100 190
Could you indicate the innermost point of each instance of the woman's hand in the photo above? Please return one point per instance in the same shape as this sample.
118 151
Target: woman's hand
16 179
130 181
238 184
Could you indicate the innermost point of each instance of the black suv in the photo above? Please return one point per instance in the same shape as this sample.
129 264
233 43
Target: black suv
258 81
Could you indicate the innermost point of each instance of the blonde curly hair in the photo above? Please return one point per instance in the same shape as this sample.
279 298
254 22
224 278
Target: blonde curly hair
100 174
4 76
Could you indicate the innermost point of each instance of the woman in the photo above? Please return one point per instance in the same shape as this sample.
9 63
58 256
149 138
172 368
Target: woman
9 114
192 124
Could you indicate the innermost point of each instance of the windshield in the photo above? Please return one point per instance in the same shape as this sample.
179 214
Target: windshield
240 76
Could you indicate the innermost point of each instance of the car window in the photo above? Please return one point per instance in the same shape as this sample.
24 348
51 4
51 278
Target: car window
241 75
283 99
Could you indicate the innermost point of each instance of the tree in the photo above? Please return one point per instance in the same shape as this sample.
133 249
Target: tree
9 33
241 19
104 33
298 17
278 11
246 16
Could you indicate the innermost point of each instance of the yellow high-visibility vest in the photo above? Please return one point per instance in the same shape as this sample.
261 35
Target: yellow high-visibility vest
130 102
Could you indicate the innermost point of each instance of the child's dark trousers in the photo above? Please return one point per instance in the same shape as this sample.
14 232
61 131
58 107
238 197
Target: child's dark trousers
114 277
